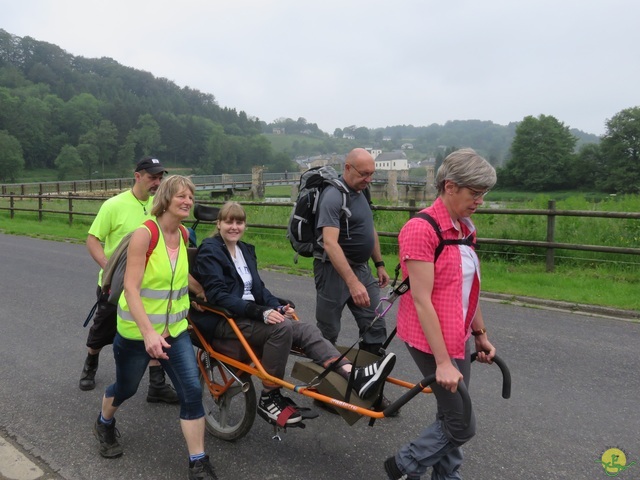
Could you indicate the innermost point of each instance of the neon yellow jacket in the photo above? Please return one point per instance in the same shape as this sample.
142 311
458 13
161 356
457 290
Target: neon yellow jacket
164 292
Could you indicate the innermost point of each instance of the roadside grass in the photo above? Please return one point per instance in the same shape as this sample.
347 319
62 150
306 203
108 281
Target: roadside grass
50 228
606 287
579 277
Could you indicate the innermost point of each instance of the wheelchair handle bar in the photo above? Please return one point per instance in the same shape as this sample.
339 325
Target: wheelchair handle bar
506 374
466 400
462 390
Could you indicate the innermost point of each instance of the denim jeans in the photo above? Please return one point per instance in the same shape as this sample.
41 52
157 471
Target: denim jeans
131 363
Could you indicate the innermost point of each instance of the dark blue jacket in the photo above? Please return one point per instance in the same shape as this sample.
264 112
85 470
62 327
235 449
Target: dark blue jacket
216 272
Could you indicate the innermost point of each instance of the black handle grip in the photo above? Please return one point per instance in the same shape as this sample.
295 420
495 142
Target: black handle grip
506 374
462 389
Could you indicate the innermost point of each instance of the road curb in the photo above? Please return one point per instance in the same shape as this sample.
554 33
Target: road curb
16 463
584 309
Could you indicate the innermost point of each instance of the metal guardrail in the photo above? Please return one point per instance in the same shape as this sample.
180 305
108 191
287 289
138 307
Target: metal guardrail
62 187
222 182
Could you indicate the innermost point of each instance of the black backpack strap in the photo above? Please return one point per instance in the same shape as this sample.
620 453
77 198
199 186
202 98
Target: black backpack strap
436 228
367 194
468 241
442 242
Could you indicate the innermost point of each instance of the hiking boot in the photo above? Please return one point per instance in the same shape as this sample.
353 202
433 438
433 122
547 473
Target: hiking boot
87 379
394 473
202 470
159 389
107 436
272 404
367 379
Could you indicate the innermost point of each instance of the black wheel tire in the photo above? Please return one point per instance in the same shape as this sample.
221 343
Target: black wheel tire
231 416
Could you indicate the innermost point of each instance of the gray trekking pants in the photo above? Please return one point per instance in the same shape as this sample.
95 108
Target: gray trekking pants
438 446
332 294
273 342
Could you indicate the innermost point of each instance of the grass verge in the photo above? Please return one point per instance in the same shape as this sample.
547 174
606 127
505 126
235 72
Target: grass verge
608 285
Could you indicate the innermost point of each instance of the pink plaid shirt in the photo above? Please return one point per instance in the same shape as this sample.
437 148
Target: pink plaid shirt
418 241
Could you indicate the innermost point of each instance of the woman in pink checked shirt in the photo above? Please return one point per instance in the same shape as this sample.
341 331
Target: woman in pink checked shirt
441 311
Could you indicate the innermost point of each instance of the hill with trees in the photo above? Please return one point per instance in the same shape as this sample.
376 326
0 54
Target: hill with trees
544 157
97 116
92 118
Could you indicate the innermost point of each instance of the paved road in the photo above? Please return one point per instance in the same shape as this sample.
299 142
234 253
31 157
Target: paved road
575 392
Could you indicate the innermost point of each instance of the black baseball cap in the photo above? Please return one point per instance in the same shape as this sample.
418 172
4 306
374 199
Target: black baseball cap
150 165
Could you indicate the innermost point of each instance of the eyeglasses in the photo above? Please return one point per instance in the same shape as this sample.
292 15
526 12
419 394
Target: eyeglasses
363 175
476 194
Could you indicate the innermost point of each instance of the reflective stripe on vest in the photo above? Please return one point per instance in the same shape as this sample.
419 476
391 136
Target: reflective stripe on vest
158 318
164 293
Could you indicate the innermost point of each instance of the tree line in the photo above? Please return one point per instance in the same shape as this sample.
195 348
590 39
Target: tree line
543 157
97 116
94 118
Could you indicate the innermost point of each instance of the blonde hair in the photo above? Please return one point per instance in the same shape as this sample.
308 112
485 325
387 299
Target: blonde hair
167 190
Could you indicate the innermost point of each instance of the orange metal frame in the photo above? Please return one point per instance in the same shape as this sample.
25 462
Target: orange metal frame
256 369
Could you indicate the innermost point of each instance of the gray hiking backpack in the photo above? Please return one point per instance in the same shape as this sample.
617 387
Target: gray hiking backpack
301 230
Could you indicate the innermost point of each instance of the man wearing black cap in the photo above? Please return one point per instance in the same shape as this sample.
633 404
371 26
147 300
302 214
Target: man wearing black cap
118 216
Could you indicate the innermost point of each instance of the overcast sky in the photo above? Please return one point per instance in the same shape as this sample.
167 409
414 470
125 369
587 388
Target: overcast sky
366 63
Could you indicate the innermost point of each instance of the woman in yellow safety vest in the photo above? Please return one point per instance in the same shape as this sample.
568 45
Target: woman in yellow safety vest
152 323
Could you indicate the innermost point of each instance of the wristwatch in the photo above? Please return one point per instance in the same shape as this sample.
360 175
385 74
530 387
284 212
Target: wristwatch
379 264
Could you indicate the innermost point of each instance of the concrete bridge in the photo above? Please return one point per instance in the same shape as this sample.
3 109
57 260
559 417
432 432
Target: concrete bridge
389 185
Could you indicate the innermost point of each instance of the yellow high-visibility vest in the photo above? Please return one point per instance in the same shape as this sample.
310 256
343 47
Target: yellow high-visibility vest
164 292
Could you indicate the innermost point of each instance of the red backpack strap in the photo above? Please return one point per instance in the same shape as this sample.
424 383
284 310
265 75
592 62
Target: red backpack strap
155 235
185 234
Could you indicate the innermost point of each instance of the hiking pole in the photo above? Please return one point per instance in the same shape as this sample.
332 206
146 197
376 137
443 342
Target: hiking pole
380 313
395 293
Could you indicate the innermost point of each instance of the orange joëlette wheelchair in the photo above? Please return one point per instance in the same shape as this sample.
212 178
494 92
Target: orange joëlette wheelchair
228 393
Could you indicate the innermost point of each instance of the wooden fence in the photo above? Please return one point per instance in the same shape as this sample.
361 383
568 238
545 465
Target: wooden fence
551 213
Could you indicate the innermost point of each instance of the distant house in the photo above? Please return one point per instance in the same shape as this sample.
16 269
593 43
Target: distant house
392 161
348 136
321 160
407 146
386 139
373 151
306 132
278 130
425 163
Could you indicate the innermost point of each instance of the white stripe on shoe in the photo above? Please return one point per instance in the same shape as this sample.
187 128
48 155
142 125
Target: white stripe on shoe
372 374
